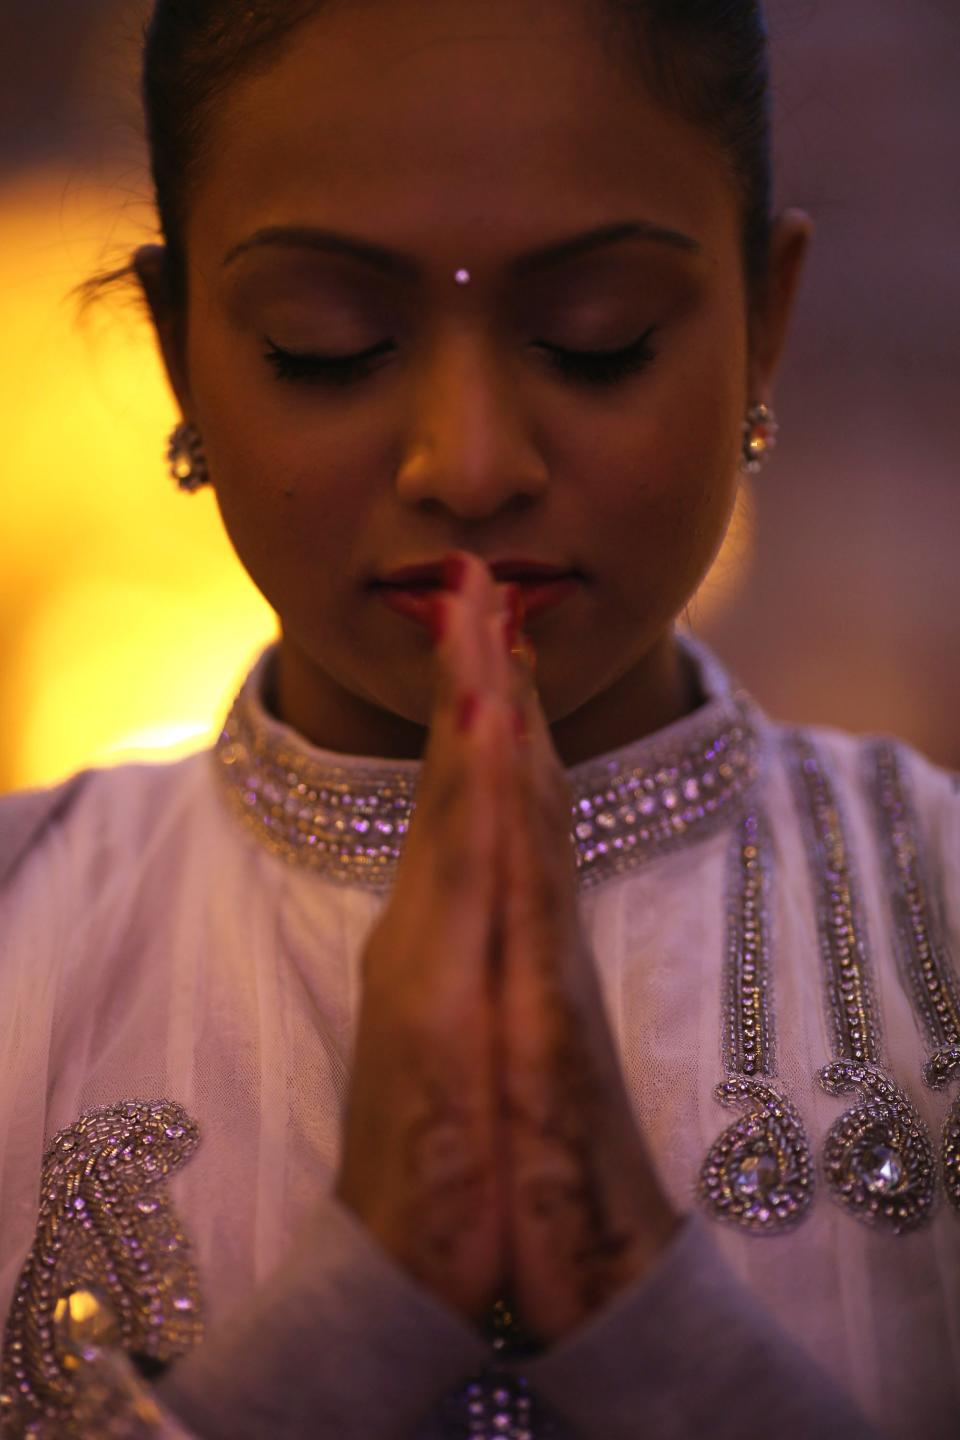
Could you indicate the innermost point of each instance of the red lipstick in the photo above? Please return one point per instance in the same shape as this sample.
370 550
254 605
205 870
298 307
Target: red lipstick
409 590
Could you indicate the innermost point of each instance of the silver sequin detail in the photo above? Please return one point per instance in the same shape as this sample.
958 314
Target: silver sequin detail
942 1068
748 1038
349 821
878 1159
111 1401
758 1174
107 1227
495 1406
925 964
843 947
498 1404
346 822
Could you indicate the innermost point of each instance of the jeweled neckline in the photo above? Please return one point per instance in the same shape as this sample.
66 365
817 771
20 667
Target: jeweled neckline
346 816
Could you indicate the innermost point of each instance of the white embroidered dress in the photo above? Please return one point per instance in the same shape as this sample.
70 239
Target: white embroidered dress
762 903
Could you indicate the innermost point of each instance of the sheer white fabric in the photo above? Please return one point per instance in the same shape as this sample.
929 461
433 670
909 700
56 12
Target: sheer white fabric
150 947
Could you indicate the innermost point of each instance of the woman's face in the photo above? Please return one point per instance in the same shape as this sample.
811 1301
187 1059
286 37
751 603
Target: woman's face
464 139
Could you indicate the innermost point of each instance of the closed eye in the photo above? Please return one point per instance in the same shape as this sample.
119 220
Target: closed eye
604 367
590 367
334 369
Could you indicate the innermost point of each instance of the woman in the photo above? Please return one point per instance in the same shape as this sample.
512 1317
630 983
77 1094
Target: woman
349 1115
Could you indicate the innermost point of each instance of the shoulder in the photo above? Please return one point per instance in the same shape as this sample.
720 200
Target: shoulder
113 806
26 816
860 762
893 795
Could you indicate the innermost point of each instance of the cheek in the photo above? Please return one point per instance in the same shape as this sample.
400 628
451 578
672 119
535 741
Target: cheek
662 500
685 460
251 458
292 502
292 474
698 477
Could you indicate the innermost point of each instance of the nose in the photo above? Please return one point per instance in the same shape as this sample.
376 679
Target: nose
469 446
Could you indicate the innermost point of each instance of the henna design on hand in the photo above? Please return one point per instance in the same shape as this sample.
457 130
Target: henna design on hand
574 1203
449 1186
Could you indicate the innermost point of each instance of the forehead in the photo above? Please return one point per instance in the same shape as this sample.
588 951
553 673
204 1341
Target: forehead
464 129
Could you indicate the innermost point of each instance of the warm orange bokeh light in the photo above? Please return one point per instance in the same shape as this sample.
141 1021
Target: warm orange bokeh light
125 619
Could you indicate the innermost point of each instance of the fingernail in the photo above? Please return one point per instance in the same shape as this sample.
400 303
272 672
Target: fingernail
520 725
467 712
517 614
437 618
454 572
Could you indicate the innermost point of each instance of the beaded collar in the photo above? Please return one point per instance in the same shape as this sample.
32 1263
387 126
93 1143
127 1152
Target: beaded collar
346 816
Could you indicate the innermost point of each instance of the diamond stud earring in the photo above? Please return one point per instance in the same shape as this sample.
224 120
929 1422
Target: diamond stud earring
760 431
188 464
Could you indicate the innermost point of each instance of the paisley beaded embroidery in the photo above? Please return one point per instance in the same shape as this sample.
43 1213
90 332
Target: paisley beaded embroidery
111 1401
107 1232
925 963
878 1158
349 821
759 1173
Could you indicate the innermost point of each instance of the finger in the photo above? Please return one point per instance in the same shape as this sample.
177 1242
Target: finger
476 591
550 977
470 623
501 627
490 614
458 669
454 779
522 666
556 1038
533 732
464 745
538 872
467 616
448 871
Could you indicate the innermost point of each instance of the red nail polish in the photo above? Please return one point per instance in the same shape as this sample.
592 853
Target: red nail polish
437 618
454 572
517 614
467 712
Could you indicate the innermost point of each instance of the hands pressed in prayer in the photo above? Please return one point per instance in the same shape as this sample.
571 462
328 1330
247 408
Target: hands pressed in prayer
489 1142
585 1214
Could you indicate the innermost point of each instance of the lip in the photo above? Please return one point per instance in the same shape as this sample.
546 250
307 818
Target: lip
505 571
416 601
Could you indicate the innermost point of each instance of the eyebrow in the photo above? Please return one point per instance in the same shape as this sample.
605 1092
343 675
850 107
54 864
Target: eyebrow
392 262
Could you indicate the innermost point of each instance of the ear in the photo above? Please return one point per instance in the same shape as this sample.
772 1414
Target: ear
789 245
149 264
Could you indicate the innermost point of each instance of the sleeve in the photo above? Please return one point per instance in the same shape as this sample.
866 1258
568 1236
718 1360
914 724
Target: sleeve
938 792
26 814
689 1352
341 1342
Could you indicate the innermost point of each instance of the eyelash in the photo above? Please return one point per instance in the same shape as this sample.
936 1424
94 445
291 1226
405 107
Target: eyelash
589 367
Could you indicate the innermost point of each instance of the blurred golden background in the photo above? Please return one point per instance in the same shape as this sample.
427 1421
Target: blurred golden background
125 620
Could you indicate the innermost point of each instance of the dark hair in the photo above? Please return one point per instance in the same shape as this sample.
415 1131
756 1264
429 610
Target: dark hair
706 59
709 61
